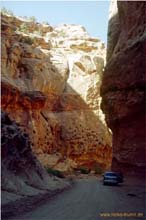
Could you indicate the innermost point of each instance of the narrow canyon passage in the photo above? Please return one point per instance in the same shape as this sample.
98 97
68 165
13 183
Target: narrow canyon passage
89 199
73 106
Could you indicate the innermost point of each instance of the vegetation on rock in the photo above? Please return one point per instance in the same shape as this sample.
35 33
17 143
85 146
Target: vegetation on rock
55 172
6 11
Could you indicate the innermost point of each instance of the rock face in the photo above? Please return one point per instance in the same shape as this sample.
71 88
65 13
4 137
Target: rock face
22 173
50 86
123 86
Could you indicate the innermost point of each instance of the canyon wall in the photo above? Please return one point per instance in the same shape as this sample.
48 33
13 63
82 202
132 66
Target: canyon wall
123 85
51 79
22 174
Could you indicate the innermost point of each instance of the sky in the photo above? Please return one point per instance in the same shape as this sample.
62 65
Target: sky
93 15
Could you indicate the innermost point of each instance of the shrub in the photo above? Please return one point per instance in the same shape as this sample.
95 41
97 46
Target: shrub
29 41
45 22
32 19
84 170
25 17
98 170
6 11
23 28
62 33
38 33
55 172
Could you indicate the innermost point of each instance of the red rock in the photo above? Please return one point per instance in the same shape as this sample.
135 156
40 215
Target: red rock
123 86
54 93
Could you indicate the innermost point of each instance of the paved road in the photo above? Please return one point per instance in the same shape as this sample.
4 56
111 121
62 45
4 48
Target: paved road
88 199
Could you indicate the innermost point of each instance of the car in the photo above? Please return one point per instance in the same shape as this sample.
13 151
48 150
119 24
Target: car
120 177
112 178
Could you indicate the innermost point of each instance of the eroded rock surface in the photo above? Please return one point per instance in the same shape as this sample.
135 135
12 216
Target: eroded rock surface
123 86
22 173
50 85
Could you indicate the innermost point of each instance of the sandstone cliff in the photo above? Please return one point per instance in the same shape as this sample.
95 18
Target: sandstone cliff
51 86
22 174
123 86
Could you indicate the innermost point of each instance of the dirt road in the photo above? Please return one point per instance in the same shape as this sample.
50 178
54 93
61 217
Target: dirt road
89 199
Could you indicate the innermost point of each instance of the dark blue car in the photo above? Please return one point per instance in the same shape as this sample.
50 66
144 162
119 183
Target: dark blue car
112 178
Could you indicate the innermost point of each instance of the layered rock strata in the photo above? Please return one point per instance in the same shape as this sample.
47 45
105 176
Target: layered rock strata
50 86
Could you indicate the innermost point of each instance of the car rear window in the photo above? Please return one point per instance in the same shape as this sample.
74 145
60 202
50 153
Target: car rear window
110 174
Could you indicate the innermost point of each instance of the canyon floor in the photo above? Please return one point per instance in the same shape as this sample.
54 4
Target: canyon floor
89 199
